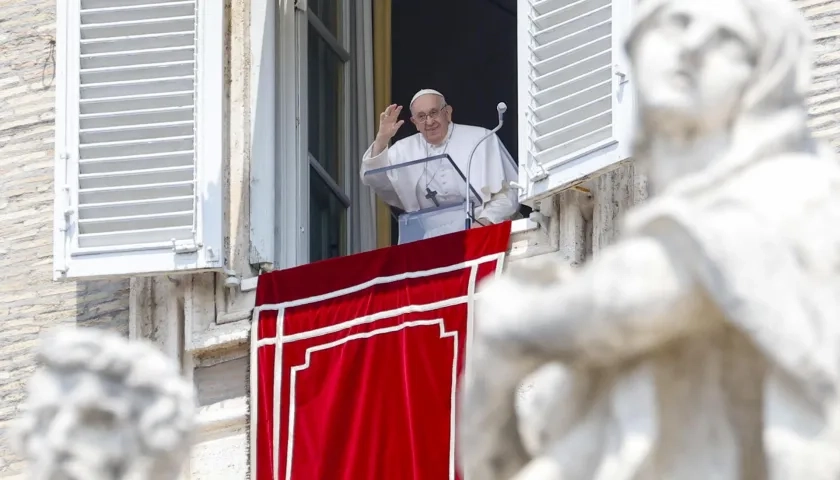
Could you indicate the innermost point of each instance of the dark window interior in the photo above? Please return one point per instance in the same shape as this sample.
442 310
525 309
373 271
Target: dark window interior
466 49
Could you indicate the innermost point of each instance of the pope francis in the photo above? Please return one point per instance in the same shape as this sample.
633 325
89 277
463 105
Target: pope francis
422 186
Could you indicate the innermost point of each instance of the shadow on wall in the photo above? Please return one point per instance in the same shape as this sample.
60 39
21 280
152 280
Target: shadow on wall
103 304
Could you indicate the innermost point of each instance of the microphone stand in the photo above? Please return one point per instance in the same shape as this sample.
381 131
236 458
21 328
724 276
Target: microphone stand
469 208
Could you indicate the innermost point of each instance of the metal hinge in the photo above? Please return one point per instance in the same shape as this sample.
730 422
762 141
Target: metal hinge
536 172
184 246
622 76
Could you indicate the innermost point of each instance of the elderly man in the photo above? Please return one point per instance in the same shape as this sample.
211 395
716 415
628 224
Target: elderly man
421 186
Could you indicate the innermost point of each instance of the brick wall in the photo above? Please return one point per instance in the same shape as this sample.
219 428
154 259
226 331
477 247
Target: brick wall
30 302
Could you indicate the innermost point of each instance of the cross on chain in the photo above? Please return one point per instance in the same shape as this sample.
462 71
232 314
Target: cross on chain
432 195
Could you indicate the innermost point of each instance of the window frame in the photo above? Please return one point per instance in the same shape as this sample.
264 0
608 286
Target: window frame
280 161
339 46
206 252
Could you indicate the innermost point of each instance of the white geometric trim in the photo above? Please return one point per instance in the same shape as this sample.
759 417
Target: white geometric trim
380 280
396 328
365 319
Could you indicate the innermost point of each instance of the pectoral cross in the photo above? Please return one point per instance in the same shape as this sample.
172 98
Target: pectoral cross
432 195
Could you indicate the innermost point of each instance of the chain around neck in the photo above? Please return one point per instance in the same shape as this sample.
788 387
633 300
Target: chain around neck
440 160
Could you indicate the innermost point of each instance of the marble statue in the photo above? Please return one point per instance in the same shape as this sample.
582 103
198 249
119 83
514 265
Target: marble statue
101 407
704 343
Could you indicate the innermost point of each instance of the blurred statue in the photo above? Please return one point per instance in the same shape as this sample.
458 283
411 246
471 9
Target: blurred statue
704 343
101 407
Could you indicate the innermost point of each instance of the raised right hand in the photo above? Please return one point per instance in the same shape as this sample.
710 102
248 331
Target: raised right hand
389 123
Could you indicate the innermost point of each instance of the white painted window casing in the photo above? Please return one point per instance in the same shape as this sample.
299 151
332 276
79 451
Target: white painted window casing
280 235
575 100
139 144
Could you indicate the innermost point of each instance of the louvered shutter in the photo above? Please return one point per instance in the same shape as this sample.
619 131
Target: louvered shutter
138 137
574 94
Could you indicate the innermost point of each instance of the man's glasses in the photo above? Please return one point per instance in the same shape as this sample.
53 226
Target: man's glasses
433 114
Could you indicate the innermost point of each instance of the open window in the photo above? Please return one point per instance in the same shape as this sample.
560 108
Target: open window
138 170
324 45
310 131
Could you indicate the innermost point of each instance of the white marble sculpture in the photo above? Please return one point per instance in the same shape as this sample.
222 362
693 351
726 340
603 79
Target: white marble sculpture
705 343
101 407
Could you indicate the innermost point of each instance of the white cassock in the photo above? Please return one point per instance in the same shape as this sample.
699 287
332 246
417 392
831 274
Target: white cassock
405 188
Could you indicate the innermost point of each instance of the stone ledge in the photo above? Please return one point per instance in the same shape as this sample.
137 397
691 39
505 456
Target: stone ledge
223 415
219 337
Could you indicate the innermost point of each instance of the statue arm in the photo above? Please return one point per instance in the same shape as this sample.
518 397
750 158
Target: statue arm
633 297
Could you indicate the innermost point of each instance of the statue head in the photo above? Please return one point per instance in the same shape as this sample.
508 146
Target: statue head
739 67
101 407
431 115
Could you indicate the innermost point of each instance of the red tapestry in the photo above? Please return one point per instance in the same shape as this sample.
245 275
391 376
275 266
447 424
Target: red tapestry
355 361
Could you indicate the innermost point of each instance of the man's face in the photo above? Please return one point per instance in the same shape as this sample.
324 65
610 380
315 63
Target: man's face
432 117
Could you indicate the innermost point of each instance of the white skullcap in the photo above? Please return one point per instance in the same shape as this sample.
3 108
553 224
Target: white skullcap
425 91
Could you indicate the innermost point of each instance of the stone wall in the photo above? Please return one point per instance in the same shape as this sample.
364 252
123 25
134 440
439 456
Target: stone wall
30 302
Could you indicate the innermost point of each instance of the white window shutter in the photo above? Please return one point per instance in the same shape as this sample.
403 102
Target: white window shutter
574 94
139 137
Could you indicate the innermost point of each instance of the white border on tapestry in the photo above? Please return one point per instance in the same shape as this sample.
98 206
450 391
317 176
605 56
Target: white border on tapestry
280 308
440 322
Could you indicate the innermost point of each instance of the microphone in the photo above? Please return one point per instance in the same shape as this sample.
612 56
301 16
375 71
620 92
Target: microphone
501 107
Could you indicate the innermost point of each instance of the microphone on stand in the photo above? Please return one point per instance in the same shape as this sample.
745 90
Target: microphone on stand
501 108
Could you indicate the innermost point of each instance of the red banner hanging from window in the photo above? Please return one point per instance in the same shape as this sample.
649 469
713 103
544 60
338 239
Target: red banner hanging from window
355 361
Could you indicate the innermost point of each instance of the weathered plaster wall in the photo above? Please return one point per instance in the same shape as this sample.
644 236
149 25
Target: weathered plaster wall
30 302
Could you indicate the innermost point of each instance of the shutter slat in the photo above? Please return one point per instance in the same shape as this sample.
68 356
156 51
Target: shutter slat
570 87
93 4
136 207
557 123
147 11
136 192
577 145
137 72
138 57
136 147
134 177
128 43
137 222
139 87
136 117
569 103
129 103
137 27
115 164
572 133
112 135
129 238
570 81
